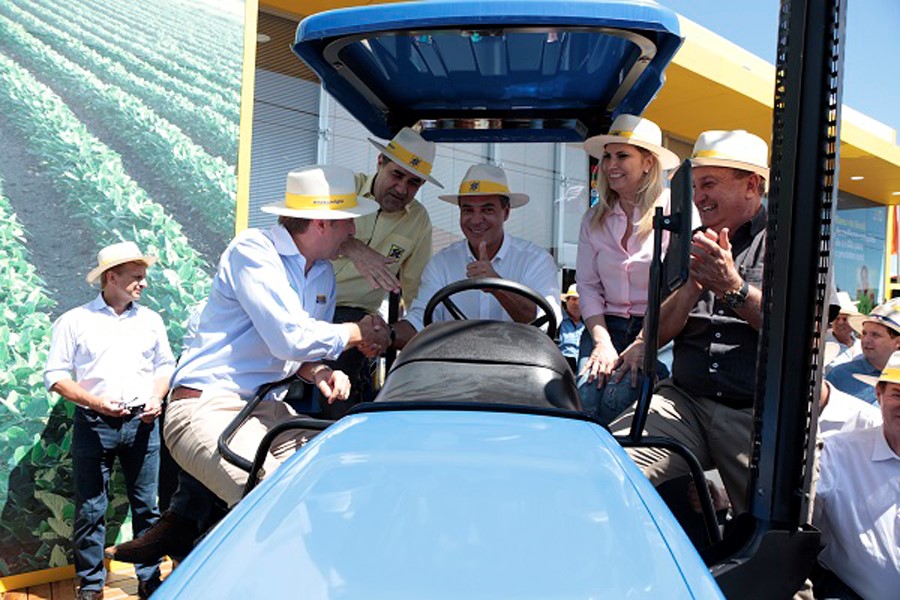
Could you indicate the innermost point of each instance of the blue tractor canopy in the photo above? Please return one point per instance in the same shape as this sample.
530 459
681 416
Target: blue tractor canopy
472 71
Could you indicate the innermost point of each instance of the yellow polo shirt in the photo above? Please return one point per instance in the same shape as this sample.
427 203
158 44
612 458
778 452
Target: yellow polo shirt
404 234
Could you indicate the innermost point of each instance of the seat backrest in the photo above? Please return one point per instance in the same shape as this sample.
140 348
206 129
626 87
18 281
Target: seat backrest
482 362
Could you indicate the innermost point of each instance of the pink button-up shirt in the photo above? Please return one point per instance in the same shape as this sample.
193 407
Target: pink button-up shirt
612 279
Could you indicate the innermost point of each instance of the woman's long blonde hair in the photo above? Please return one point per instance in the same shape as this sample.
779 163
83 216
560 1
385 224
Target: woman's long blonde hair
648 194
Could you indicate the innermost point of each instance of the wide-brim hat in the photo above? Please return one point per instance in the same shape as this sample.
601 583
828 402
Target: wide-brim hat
889 374
848 306
572 292
412 153
637 131
483 180
322 192
115 255
887 314
736 149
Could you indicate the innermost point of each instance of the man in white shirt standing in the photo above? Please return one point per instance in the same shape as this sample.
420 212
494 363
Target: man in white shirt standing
111 357
484 201
841 344
268 317
857 496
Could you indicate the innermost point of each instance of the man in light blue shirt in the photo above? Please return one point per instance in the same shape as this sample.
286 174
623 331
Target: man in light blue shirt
880 331
268 317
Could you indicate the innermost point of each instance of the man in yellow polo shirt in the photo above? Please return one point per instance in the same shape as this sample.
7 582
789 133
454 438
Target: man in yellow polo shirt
390 249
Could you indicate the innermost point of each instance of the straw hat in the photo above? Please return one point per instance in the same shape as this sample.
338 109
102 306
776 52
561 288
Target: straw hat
572 292
737 149
115 255
322 192
482 180
848 306
890 373
629 129
412 153
887 314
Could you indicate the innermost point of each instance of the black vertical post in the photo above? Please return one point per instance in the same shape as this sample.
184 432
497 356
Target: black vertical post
805 144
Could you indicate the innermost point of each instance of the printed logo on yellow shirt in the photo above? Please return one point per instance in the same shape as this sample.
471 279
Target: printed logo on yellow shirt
396 252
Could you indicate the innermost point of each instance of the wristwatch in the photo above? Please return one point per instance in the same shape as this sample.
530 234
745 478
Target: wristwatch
736 298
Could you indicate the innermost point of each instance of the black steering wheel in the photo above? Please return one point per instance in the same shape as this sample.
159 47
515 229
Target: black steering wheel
491 283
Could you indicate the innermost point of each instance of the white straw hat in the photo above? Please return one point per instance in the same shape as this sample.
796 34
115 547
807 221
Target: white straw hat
890 373
483 180
412 153
115 255
887 314
629 129
848 306
322 192
737 149
572 292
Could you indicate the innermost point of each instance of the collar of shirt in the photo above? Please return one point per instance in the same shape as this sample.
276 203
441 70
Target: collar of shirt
98 304
746 232
285 246
498 258
881 450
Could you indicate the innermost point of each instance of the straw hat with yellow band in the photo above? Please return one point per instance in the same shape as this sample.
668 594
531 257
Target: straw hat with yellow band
572 292
887 314
485 180
737 149
322 192
890 373
629 129
115 255
412 153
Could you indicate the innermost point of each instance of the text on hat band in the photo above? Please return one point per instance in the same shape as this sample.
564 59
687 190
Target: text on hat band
319 202
416 162
482 186
624 134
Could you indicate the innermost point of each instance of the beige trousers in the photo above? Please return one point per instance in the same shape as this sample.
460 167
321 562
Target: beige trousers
193 426
720 437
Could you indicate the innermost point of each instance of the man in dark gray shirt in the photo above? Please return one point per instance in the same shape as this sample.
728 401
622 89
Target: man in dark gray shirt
714 320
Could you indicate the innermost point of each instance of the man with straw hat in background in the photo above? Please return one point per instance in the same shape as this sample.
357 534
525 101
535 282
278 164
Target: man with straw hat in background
484 201
879 338
714 319
856 503
572 326
841 345
268 317
389 251
111 358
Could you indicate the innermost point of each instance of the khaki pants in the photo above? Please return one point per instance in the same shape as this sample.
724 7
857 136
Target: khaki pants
193 426
720 437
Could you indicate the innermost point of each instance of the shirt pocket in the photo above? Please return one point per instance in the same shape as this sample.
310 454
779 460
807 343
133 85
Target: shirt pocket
398 247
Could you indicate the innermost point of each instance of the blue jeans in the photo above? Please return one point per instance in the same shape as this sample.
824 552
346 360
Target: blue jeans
609 401
97 441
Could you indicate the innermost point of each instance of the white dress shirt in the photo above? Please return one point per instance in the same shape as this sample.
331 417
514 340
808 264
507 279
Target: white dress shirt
265 317
517 260
856 510
846 413
110 355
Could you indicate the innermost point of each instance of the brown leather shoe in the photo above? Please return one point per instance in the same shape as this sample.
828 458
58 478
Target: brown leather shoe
171 536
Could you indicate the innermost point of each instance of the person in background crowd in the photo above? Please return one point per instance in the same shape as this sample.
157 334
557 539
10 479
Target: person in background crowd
856 502
111 358
880 337
484 201
615 247
841 344
388 253
714 319
572 327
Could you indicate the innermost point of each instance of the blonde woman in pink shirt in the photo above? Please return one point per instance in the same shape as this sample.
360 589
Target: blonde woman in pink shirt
614 251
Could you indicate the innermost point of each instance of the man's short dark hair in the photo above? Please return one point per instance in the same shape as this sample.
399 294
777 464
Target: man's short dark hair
742 174
294 225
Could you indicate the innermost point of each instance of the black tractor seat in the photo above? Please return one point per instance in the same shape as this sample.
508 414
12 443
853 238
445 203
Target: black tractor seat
476 361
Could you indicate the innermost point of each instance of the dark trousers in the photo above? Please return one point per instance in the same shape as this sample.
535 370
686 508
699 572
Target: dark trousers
356 366
96 442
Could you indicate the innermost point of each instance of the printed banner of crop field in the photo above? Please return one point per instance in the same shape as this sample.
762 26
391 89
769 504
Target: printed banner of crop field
118 121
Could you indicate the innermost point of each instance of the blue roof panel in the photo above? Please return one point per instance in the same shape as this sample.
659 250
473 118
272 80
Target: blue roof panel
543 71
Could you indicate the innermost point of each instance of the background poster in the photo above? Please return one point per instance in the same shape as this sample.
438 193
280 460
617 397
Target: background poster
118 121
859 255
